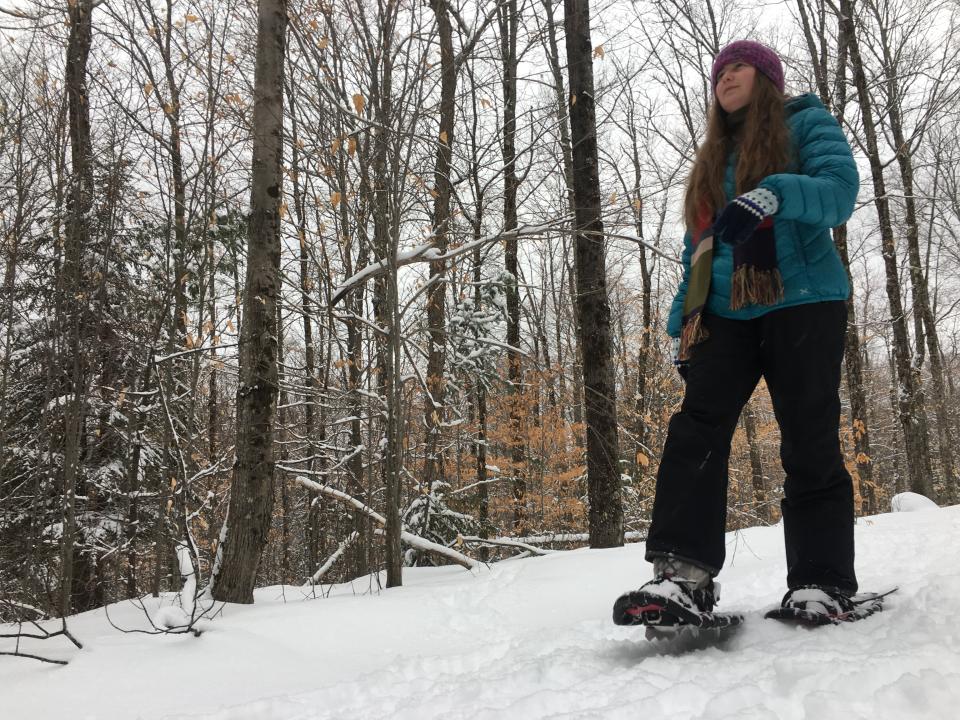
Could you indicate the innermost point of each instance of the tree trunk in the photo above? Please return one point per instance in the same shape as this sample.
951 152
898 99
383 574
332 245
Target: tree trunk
913 418
926 323
73 299
853 358
436 296
566 151
646 339
251 494
509 21
386 294
603 455
760 493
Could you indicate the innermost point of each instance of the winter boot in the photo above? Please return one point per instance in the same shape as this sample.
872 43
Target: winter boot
680 593
815 598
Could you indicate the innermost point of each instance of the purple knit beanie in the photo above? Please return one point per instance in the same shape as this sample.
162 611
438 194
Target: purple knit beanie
753 53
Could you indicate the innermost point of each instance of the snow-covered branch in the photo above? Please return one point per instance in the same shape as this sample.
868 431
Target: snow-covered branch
640 241
529 543
503 542
318 575
409 538
427 252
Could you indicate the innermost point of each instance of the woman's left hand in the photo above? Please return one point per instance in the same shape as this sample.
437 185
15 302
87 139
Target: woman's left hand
743 214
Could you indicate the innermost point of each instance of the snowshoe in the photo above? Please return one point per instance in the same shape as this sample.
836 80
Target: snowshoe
666 606
812 605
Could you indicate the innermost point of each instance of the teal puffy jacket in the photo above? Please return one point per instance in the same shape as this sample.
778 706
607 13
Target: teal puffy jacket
818 197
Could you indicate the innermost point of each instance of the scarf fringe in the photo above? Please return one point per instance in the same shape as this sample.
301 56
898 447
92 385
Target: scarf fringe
753 286
693 332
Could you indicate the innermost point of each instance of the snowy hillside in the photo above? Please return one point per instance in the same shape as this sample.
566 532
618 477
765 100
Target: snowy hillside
529 639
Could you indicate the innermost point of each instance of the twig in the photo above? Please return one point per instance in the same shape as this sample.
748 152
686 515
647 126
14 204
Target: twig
34 657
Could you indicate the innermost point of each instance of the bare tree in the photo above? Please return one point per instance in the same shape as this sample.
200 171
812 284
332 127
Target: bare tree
813 23
251 494
910 402
895 32
603 453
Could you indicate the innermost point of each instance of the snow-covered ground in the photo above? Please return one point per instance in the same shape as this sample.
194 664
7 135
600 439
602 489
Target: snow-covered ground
525 639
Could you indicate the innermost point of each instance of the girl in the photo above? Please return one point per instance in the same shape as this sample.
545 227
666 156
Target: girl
763 294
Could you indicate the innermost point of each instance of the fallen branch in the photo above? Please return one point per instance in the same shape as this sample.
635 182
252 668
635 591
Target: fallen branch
332 559
529 543
502 542
19 606
46 635
409 538
34 657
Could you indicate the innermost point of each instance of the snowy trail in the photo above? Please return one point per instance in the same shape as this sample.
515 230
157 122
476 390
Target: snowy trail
533 639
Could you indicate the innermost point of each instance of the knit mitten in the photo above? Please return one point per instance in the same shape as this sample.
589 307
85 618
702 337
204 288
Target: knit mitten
743 214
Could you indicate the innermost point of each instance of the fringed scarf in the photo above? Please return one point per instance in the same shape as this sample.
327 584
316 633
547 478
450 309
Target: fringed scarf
756 279
698 289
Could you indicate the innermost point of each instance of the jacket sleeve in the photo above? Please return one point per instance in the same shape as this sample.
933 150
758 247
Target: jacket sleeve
824 190
676 308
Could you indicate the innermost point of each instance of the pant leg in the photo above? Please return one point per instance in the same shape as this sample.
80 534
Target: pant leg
690 507
802 356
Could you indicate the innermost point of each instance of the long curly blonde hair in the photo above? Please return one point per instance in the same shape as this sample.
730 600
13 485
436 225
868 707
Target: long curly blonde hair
765 148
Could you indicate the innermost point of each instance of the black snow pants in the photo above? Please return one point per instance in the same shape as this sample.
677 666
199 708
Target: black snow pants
799 351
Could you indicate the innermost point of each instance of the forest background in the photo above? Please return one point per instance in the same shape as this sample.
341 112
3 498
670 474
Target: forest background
428 385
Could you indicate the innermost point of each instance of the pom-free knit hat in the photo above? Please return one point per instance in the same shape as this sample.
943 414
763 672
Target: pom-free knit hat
753 53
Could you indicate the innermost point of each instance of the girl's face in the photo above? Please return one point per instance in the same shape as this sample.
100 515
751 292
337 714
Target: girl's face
735 85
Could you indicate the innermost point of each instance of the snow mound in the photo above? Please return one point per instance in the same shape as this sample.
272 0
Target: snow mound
531 639
912 502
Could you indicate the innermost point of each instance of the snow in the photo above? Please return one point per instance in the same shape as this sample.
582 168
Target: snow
912 502
529 638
